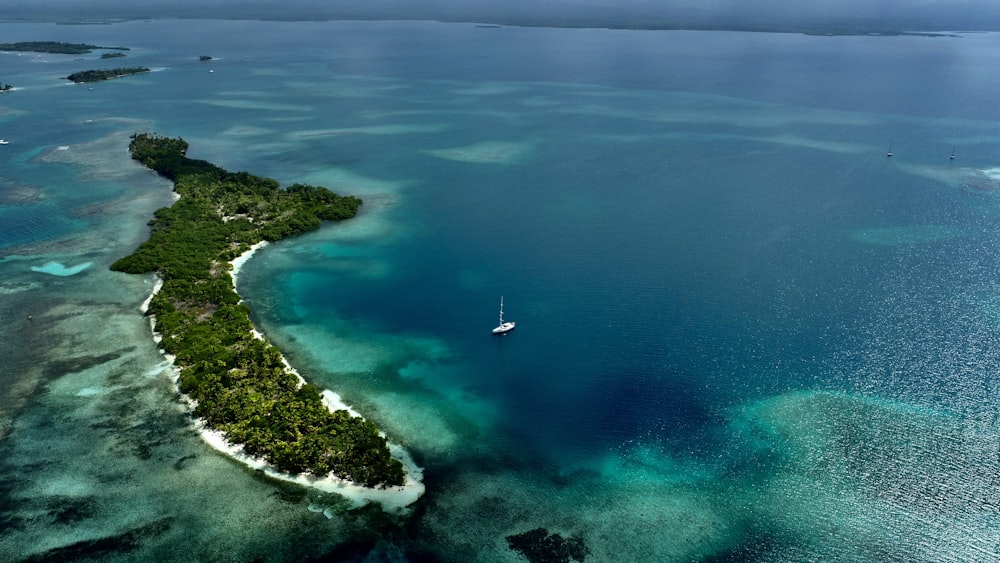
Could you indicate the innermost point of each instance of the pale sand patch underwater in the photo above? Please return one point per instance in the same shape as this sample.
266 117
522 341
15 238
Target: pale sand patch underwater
438 113
487 152
489 89
247 131
992 174
355 87
691 109
100 159
350 346
398 129
788 140
9 288
981 180
61 270
255 105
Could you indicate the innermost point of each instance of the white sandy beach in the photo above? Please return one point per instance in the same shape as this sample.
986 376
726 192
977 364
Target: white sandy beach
394 499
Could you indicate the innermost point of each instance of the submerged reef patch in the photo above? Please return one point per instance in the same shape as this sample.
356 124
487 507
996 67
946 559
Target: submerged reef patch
539 546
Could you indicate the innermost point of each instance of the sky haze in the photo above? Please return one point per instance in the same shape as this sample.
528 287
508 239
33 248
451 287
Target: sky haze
814 15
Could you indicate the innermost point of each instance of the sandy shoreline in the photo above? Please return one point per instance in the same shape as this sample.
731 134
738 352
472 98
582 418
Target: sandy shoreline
239 261
391 498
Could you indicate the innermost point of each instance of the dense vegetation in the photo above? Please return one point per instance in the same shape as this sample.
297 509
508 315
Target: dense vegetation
239 382
98 75
55 47
115 55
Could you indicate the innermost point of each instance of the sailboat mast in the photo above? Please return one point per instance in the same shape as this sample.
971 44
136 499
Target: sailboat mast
504 327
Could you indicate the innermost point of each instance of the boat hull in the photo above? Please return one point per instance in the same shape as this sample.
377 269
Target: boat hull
504 328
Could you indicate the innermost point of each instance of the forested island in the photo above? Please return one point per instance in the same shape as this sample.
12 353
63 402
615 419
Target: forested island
115 55
55 47
239 382
99 75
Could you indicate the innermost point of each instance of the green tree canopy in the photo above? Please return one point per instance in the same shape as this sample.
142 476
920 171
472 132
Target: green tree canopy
239 382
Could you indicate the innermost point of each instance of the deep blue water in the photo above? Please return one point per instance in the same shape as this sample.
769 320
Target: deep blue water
743 331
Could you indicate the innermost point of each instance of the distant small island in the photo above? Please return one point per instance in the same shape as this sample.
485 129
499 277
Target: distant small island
99 75
237 380
55 47
115 55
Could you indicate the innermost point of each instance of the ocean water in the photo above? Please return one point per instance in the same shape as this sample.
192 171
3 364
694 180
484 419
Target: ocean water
744 332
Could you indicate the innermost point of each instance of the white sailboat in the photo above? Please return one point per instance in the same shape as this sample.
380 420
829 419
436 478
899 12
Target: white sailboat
504 326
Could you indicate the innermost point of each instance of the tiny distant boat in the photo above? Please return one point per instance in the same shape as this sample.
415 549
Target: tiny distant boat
952 157
889 154
4 142
504 327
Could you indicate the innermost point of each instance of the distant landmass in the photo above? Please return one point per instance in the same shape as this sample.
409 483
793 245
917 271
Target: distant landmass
55 47
99 75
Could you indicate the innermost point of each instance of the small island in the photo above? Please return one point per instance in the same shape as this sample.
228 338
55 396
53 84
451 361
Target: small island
55 47
99 75
115 55
239 382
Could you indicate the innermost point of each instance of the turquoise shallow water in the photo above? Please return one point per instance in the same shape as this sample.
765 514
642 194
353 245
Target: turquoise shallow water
743 332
